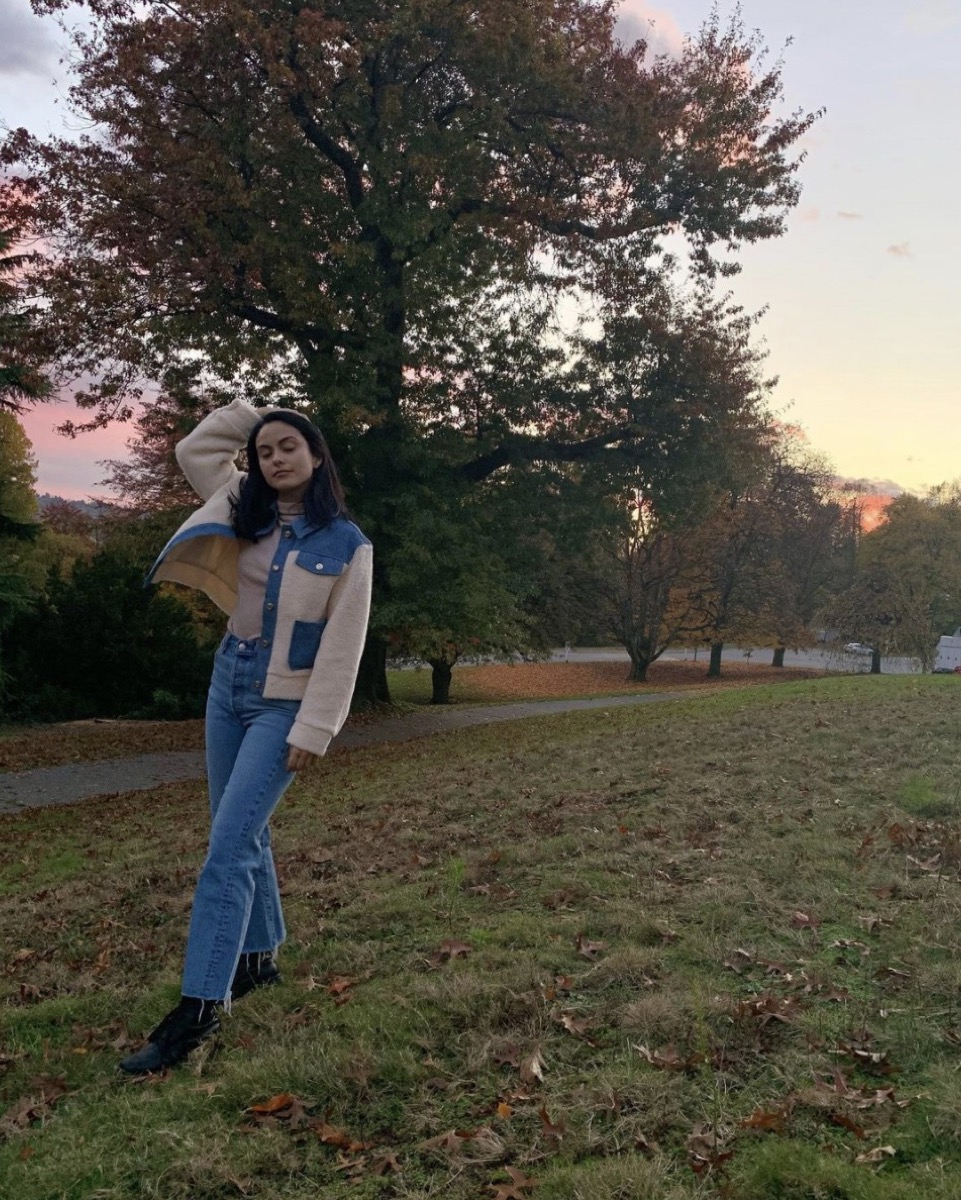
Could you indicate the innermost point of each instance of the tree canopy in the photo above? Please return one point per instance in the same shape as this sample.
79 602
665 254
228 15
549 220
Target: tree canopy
379 211
317 187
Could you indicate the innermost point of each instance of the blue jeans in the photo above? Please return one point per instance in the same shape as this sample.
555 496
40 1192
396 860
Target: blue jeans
236 907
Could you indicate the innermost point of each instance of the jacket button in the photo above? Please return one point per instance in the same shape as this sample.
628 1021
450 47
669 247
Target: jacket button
275 567
270 605
288 533
265 642
320 566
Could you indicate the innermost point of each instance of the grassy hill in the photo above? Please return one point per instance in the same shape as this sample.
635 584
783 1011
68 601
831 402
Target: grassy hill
706 948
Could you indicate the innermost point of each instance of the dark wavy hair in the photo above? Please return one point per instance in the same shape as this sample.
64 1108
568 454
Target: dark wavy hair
256 509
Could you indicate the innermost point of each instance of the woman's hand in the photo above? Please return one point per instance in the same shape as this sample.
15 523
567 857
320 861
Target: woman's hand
299 760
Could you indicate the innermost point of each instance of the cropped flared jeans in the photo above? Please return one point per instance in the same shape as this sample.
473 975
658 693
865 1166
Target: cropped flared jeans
236 908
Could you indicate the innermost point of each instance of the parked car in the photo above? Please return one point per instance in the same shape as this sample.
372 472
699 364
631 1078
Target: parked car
857 648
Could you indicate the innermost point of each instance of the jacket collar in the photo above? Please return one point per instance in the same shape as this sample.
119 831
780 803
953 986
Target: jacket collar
300 525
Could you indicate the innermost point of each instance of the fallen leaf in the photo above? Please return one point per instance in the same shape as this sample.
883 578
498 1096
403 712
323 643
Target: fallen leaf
850 944
274 1105
848 1124
448 1143
385 1164
767 1120
739 961
532 1067
707 1148
893 974
340 984
331 1136
510 1056
668 1059
551 1130
877 1155
514 1190
450 949
766 1008
578 1026
586 948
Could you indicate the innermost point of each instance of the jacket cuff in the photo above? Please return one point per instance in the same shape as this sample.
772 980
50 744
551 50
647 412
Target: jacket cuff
309 738
243 416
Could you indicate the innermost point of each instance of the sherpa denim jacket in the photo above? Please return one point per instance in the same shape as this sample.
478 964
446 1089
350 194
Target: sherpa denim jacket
318 590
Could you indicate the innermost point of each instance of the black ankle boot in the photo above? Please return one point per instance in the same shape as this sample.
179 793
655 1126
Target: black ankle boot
181 1030
254 971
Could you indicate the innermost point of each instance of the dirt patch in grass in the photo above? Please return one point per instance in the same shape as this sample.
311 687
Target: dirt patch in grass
705 949
26 748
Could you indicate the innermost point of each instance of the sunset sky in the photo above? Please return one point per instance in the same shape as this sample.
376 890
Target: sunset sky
864 290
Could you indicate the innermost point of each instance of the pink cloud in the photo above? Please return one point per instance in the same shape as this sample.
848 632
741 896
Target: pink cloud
850 216
901 250
69 467
637 19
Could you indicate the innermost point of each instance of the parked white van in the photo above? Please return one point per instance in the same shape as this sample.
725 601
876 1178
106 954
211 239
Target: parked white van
948 656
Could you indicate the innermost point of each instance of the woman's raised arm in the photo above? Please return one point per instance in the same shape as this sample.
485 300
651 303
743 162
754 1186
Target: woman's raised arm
207 455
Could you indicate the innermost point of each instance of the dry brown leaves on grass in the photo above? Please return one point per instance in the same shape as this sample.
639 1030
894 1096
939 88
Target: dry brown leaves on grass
34 1107
37 746
535 681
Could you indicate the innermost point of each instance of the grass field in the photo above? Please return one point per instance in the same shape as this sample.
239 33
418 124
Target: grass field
24 748
705 948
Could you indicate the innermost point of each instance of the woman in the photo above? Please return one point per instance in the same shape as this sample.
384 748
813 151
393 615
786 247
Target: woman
276 550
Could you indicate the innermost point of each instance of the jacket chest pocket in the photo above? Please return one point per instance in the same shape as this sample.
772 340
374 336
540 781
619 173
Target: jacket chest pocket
319 565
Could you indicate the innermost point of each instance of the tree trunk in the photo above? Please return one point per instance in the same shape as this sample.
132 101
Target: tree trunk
440 675
638 672
371 687
875 662
778 659
714 670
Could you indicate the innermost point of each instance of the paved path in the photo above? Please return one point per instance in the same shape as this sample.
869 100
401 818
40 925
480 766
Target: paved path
79 781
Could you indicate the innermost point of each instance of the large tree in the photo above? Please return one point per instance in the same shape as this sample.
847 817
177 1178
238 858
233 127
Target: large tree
322 201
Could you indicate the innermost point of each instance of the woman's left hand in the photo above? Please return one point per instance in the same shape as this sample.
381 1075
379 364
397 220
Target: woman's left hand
299 760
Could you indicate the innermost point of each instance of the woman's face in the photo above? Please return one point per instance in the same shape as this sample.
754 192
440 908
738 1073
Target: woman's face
285 459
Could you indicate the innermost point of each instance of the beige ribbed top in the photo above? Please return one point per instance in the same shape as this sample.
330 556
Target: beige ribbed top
253 567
